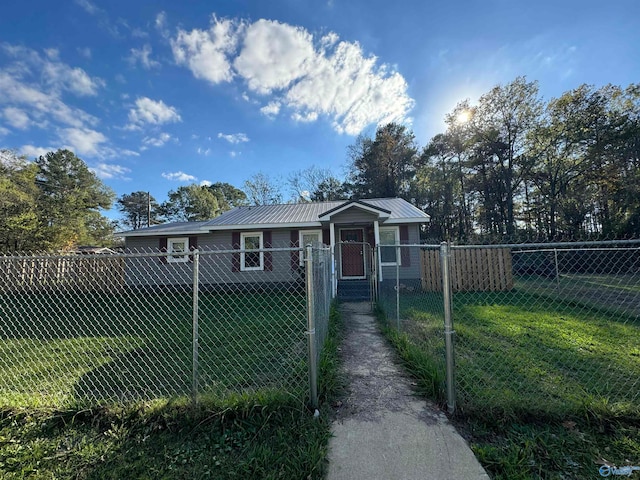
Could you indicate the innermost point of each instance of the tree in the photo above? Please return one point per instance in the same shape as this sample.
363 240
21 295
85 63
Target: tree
500 125
315 184
330 189
262 190
70 196
136 207
436 189
18 207
228 196
191 203
383 166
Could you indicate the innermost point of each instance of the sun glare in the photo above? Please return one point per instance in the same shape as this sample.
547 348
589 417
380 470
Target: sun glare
463 117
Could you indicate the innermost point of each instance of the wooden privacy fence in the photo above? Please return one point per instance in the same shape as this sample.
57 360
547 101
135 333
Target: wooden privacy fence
472 270
69 273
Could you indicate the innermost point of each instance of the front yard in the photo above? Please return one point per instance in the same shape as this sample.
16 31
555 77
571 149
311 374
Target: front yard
545 387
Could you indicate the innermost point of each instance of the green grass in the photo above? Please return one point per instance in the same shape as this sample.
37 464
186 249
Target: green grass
64 350
248 436
545 387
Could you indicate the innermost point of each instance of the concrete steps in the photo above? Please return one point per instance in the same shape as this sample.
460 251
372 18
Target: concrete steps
354 290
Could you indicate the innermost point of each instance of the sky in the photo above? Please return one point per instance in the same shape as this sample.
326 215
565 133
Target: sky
155 95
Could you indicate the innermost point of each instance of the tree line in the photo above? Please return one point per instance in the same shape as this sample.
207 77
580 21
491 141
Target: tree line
514 167
510 167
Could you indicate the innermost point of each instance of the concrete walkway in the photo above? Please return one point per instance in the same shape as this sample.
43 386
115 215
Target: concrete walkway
382 430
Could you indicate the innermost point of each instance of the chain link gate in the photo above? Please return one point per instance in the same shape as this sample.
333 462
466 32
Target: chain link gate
80 329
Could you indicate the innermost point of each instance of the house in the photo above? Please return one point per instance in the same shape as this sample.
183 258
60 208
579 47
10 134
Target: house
351 228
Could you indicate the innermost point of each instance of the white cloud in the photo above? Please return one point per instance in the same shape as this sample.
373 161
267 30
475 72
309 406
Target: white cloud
202 151
271 109
206 183
204 52
154 112
4 131
305 118
142 56
234 137
179 177
83 141
32 151
88 7
161 24
273 55
108 171
309 77
139 33
158 141
52 53
74 80
16 117
53 74
349 87
85 52
42 105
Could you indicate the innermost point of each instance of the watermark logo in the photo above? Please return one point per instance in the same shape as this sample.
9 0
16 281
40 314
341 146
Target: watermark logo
608 470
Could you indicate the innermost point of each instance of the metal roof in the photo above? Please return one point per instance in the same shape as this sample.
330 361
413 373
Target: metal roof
295 215
303 213
176 228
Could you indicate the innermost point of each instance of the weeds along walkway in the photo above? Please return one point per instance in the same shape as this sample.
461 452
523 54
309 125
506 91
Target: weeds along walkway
381 430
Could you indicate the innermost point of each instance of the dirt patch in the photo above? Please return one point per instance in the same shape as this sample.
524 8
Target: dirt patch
375 381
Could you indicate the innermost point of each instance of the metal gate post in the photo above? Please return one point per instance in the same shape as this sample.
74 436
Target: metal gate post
445 254
311 330
398 288
196 333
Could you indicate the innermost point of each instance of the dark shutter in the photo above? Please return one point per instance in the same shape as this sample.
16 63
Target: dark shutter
295 255
162 246
235 257
193 245
405 253
268 256
326 236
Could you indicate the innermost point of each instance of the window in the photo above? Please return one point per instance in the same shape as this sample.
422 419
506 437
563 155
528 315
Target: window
389 236
178 248
251 260
313 237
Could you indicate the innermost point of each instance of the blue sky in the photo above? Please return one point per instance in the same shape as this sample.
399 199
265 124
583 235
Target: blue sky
154 95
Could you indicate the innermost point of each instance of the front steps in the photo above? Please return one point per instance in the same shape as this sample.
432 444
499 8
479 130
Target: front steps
354 290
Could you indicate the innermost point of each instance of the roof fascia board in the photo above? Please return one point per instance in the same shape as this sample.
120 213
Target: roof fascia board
395 221
326 216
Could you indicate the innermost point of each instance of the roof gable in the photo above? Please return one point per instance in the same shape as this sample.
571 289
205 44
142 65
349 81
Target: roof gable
359 204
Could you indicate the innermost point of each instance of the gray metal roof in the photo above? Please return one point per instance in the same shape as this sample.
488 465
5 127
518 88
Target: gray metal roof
287 215
176 228
303 213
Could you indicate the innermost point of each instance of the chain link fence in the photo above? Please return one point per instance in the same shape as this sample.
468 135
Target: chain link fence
539 329
90 329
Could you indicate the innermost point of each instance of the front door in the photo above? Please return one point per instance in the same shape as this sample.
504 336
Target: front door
352 253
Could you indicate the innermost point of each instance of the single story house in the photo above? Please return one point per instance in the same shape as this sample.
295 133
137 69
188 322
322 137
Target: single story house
351 228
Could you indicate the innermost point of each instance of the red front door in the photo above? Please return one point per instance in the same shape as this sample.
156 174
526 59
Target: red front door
352 252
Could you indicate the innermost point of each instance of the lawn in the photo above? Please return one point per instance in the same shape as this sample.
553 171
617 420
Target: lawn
62 350
545 387
255 435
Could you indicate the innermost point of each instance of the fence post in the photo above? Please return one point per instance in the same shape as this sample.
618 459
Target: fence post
555 256
445 254
398 288
196 333
311 329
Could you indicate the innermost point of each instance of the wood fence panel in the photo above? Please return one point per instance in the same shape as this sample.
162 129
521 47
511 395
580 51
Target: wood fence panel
64 273
472 270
